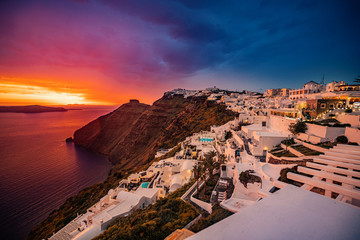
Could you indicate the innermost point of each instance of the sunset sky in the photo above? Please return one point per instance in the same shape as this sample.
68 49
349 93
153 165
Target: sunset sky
107 51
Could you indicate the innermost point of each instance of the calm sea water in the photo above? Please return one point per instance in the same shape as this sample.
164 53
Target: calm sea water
39 170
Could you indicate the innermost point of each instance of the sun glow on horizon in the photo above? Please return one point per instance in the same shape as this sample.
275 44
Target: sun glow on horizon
20 94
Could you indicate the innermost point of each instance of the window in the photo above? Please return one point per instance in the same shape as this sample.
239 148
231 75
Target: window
339 105
323 105
263 124
331 106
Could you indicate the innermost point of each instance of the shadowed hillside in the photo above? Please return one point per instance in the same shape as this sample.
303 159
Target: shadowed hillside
132 134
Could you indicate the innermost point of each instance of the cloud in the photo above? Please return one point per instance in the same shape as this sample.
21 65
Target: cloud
159 44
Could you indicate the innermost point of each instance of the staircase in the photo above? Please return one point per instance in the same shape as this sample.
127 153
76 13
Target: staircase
221 196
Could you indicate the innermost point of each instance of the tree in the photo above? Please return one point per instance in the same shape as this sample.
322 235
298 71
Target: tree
228 135
298 127
198 172
222 158
342 139
210 164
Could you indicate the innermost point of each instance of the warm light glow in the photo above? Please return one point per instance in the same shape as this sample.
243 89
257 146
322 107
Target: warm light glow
17 94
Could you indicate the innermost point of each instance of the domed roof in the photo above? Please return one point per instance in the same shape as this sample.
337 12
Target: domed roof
187 165
175 182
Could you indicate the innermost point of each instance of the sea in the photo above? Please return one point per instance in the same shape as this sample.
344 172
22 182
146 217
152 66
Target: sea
39 170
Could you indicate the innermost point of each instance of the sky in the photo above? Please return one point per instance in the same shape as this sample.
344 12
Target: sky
56 52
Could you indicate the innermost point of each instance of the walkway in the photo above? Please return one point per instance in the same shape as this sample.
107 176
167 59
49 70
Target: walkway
246 144
186 198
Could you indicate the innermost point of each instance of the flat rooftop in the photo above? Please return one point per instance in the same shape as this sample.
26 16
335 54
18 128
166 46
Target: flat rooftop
287 110
254 127
271 134
290 213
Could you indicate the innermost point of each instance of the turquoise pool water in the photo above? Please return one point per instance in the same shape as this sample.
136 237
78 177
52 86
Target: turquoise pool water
145 185
206 139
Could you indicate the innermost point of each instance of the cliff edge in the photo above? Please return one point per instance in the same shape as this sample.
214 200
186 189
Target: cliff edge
131 134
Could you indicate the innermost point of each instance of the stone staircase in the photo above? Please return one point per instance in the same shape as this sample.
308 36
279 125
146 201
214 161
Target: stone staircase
221 196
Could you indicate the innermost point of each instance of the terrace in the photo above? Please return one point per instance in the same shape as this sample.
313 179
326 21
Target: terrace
305 150
335 174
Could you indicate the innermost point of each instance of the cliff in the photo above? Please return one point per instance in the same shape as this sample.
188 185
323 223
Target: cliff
131 134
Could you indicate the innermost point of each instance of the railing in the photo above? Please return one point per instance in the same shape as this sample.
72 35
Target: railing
329 167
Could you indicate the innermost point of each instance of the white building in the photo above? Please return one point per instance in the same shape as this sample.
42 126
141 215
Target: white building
308 88
290 213
331 87
263 141
263 137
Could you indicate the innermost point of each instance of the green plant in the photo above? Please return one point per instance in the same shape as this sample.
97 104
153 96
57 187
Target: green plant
284 172
283 154
288 142
246 177
298 127
342 139
218 214
348 110
228 135
306 151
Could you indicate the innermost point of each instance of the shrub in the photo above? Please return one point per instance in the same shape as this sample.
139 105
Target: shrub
154 222
341 125
246 177
342 139
296 128
228 135
217 215
283 174
211 182
288 142
348 110
353 143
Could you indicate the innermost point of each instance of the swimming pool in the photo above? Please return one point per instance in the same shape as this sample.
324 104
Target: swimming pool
145 185
206 139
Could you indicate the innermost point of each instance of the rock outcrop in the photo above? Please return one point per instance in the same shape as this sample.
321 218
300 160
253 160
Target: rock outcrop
131 134
31 109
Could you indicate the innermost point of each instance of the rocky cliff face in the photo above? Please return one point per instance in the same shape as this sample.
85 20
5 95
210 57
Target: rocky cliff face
132 134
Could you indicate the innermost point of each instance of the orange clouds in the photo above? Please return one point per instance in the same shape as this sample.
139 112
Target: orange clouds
21 94
82 88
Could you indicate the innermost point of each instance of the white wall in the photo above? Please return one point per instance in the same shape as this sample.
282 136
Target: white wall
280 124
316 139
266 142
270 142
354 120
237 139
328 133
353 134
